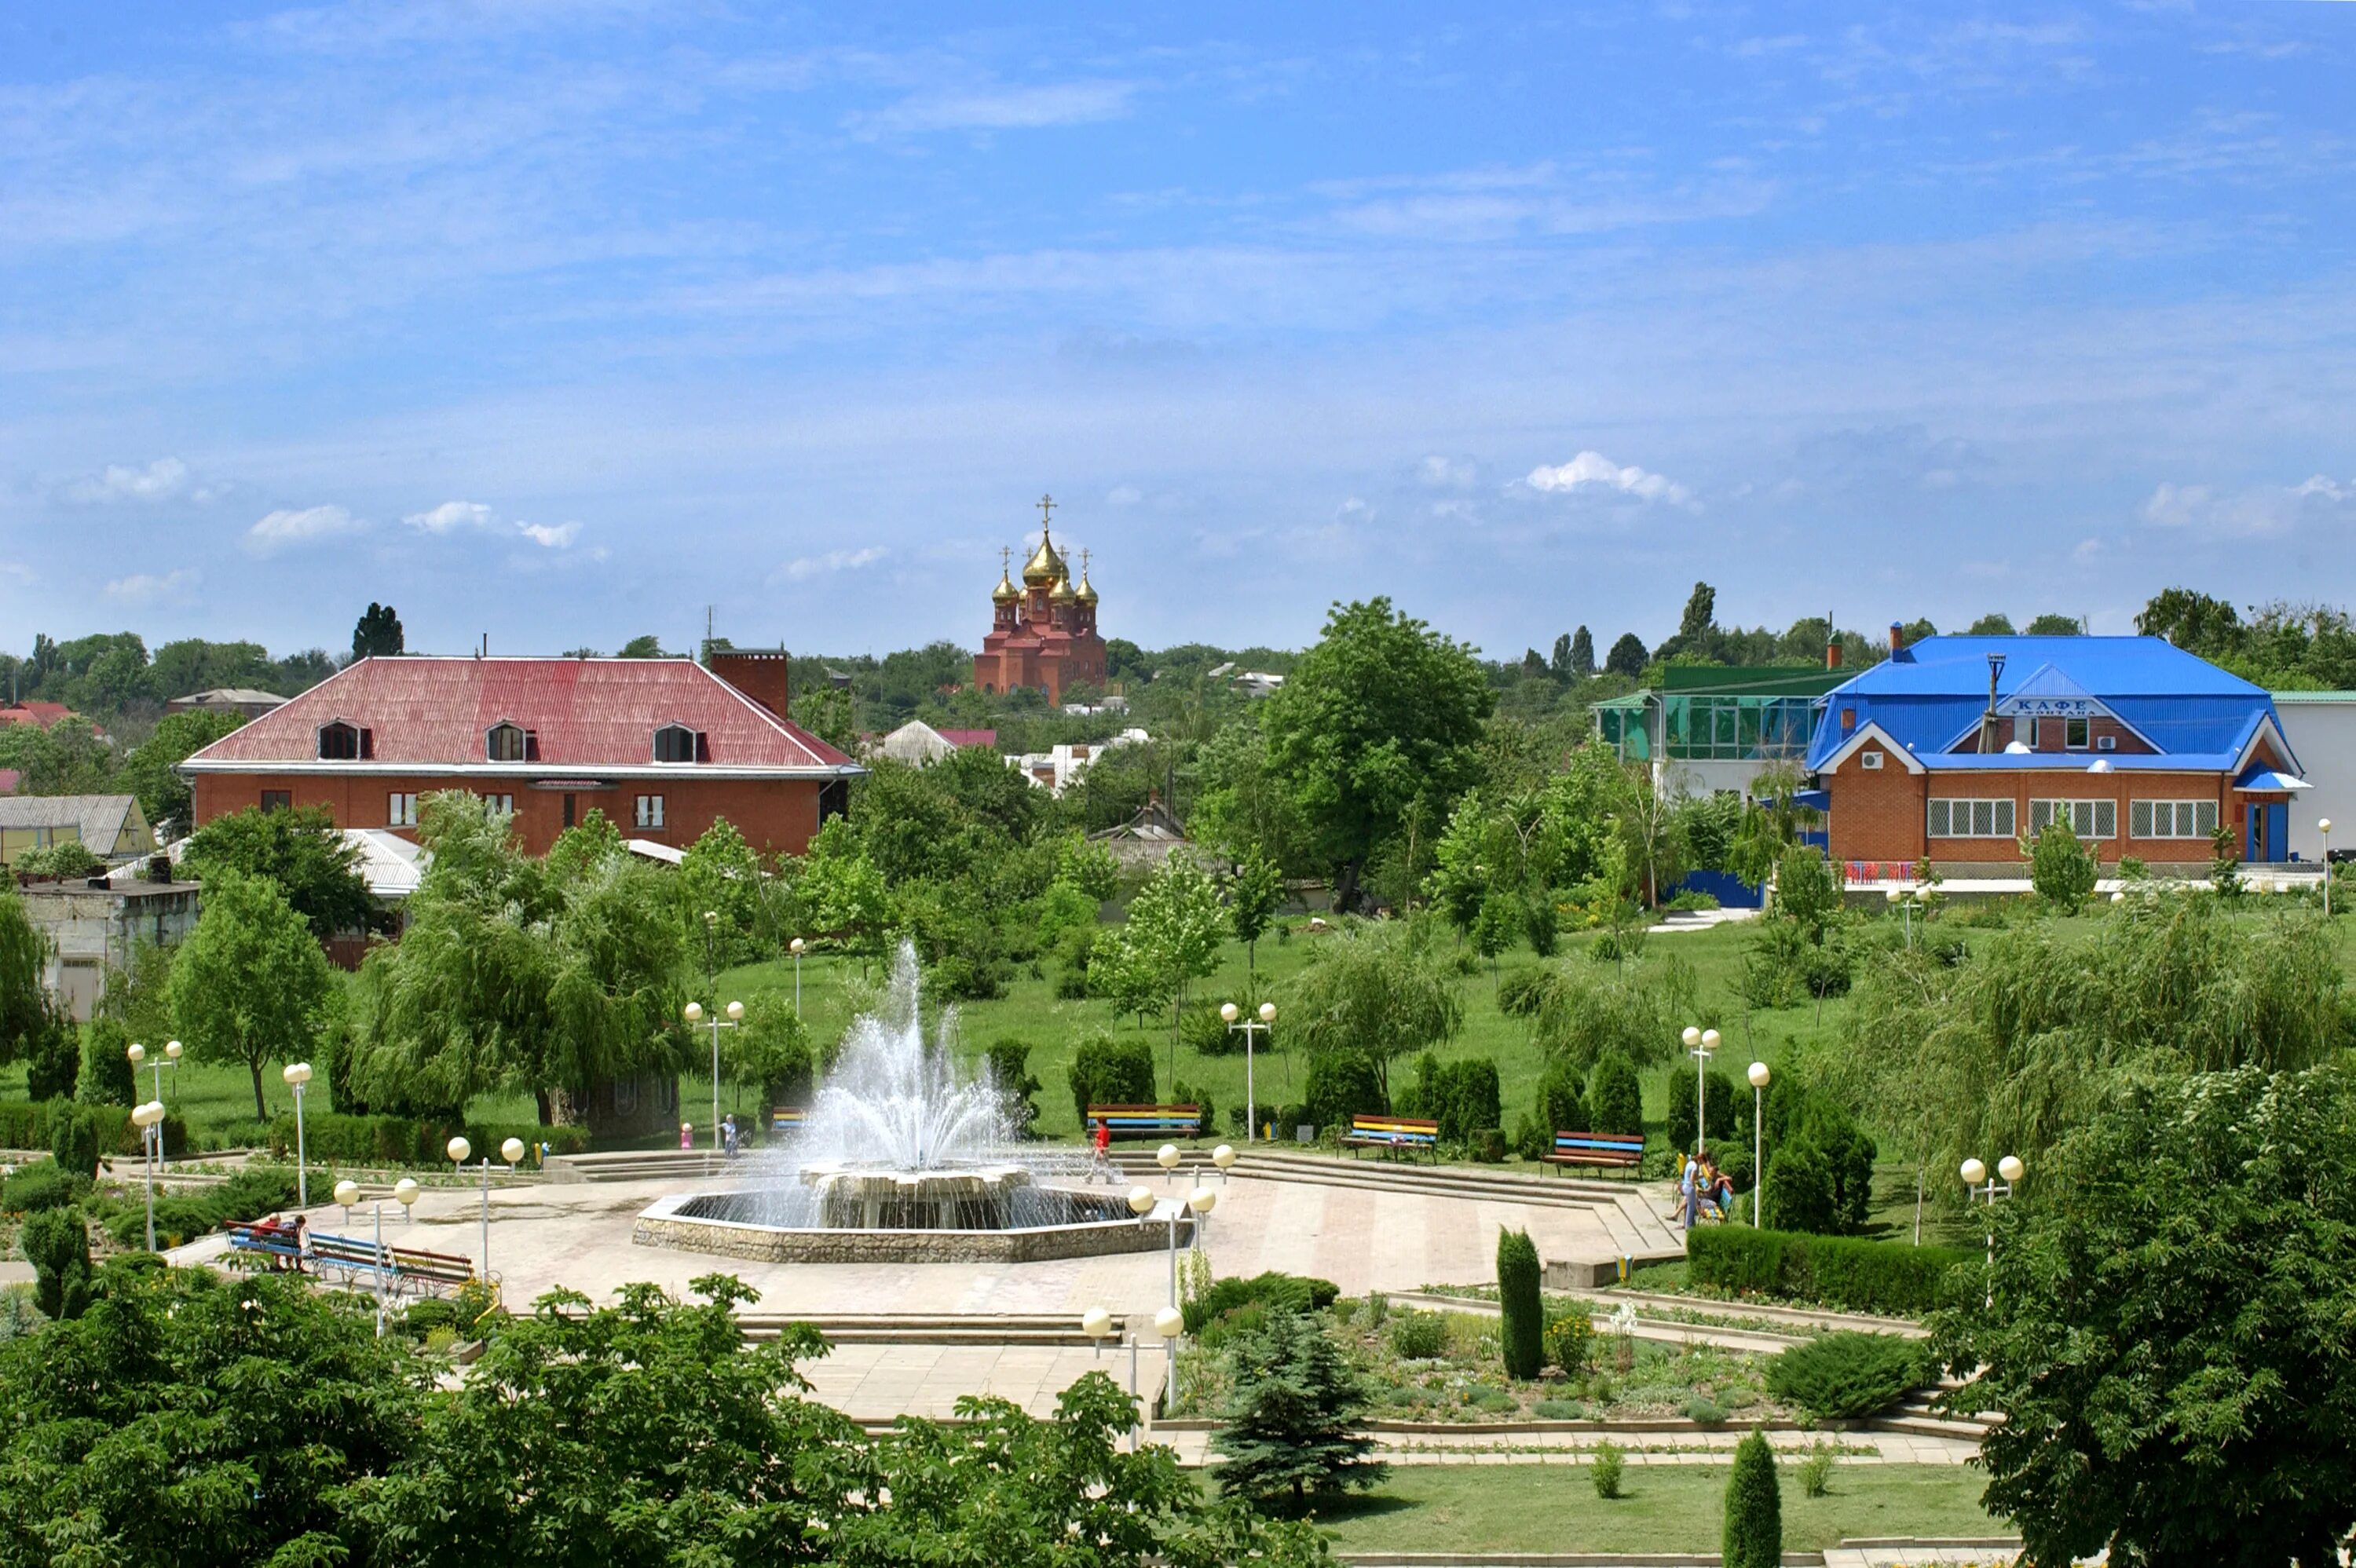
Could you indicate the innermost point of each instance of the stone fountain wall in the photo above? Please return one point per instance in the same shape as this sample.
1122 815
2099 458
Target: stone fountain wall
663 1226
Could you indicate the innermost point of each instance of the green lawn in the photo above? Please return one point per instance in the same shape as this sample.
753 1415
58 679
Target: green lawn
1552 1507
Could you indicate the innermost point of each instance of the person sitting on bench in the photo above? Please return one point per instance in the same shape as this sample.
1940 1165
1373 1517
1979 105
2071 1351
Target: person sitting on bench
1716 1187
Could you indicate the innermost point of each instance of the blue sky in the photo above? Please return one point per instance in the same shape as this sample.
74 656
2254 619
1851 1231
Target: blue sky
563 319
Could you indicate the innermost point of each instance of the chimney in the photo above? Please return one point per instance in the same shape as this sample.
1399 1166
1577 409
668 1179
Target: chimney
1897 639
759 674
1831 651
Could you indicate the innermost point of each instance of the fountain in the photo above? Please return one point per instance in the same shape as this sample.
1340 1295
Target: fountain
903 1157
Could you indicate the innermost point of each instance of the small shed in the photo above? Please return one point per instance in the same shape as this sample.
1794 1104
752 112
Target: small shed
1148 838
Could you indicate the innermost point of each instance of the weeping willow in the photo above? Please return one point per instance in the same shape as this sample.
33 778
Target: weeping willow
2028 1039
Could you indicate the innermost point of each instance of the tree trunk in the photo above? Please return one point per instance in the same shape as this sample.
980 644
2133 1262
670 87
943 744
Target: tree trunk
260 1111
564 1107
1345 887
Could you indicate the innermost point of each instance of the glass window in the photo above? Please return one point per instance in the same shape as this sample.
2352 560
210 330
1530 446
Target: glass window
2077 733
2172 819
504 743
400 810
651 811
339 742
278 800
675 743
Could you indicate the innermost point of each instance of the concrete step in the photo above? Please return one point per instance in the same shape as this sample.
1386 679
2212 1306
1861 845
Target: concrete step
930 1329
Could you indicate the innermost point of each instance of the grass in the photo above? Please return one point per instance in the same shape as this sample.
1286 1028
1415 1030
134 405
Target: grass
1553 1507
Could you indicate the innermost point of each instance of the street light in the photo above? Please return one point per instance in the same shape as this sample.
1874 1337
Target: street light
1759 1076
172 1052
296 1074
1983 1188
348 1192
1223 1156
149 1118
1166 1157
797 947
1701 1044
138 1054
695 1015
1903 900
459 1150
1170 1323
404 1192
1096 1323
1233 1017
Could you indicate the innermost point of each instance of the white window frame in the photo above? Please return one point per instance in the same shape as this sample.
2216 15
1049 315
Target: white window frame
505 803
400 809
2085 816
2144 818
693 747
522 744
649 811
2002 811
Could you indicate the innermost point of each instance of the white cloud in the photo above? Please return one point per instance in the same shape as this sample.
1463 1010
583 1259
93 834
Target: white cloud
1123 495
2262 510
450 516
550 535
162 480
811 566
284 527
1446 473
1592 468
147 588
1003 108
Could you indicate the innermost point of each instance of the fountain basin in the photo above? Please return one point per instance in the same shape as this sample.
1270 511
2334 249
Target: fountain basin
1076 1223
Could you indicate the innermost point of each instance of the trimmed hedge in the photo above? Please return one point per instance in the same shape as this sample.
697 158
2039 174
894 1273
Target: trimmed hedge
329 1137
29 1123
44 1184
1836 1270
1283 1292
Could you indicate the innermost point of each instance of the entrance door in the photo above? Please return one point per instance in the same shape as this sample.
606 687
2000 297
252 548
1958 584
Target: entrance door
2254 835
2279 832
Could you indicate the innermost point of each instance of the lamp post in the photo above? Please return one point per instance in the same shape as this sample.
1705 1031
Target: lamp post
404 1192
1701 1044
1986 1188
348 1192
1759 1076
1096 1323
1166 1157
797 947
296 1074
1223 1156
149 1118
138 1055
695 1015
1170 1323
1902 899
460 1150
2323 826
1235 1021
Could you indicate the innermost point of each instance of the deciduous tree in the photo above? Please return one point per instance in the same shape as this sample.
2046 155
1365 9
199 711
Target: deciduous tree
250 982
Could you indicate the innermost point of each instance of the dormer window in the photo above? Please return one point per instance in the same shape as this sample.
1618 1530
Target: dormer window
342 741
507 742
678 744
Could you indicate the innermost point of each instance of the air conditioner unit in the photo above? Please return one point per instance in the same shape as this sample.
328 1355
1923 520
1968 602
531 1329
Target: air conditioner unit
2107 743
1869 760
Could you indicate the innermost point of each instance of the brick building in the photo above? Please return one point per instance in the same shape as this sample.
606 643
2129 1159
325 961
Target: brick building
663 747
1044 633
1955 748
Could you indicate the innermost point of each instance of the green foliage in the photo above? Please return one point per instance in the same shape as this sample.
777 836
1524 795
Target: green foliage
53 1055
24 954
1417 1336
770 1048
301 851
1836 1270
148 769
1845 1376
1272 1290
106 1076
1808 889
1800 1191
42 1184
1341 1085
2060 869
2166 1328
1719 1102
1605 1468
1816 1471
1382 714
1523 992
1254 890
1462 1096
73 1139
250 984
1523 1336
56 1241
1375 990
1109 1070
1636 1013
1571 1340
377 633
720 875
1616 1097
69 859
1010 1073
1754 1507
1290 1421
2224 864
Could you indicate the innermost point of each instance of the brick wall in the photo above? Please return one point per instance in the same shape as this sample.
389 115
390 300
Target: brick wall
776 816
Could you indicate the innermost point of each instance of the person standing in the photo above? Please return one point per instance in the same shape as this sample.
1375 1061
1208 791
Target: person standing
687 1135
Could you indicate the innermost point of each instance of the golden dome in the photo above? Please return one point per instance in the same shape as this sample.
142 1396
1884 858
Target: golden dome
1087 593
1045 566
1005 593
1061 593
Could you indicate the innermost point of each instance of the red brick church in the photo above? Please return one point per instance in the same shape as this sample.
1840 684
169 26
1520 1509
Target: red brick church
1044 632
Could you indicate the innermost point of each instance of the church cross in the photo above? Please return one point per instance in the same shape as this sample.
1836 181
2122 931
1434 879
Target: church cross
1004 558
1084 565
1046 505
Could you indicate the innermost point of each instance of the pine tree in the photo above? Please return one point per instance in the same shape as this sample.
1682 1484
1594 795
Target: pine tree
378 633
1754 1507
1290 1420
1564 652
1524 1335
1582 652
57 1243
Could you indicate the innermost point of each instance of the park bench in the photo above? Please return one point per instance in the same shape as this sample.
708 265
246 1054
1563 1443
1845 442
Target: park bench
276 1245
1613 1151
1148 1121
402 1271
785 1121
1396 1134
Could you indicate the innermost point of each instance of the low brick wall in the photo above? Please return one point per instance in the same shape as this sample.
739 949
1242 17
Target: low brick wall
767 1243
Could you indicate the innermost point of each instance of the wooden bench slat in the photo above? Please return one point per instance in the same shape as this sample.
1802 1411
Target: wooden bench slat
1603 1150
1148 1121
1370 1130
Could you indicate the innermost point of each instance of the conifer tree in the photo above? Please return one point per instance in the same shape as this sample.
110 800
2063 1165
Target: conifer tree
1290 1421
1524 1335
1754 1507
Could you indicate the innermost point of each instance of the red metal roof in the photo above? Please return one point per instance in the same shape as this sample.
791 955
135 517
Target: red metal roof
30 712
969 737
586 714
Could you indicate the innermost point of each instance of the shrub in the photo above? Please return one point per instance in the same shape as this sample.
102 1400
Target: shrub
105 1069
73 1139
1817 1472
1718 1089
1523 992
1560 1104
1836 1270
1846 1376
44 1184
1523 1336
250 1194
1418 1336
2060 869
1704 1410
1341 1084
1010 1072
1532 1140
1282 1292
1495 1401
1558 1409
58 1246
1184 1094
1755 1508
1800 1189
1109 1071
1488 1145
1570 1340
1465 1099
1615 1100
178 1220
1606 1470
52 1050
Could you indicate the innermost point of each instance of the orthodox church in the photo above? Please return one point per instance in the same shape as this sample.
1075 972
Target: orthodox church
1044 633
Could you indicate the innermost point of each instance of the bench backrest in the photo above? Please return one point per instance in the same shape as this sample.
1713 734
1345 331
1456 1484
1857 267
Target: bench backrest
433 1266
1395 1129
1618 1146
784 1119
265 1239
1144 1121
349 1250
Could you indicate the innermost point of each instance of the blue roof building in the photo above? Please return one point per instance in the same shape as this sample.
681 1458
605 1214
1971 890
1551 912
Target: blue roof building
1955 748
